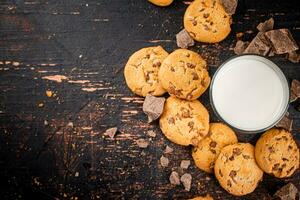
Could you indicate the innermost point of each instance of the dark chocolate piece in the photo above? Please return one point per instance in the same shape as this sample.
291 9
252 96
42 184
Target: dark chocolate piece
240 47
295 90
184 40
186 180
266 25
285 123
229 6
168 149
164 161
153 107
111 132
174 178
294 57
287 192
185 164
259 45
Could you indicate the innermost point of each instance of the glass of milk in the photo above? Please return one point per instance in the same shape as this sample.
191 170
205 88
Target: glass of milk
249 93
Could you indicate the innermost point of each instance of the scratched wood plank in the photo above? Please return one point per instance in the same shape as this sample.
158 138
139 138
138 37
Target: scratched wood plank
53 147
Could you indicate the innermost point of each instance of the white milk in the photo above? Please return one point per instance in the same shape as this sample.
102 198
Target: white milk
250 93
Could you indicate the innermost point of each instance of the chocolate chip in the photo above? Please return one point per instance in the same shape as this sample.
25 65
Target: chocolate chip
247 157
240 47
206 15
174 178
295 90
236 151
157 64
287 192
282 41
266 25
153 107
285 123
229 6
142 143
191 125
111 132
202 9
213 144
190 65
185 164
172 90
213 151
232 174
228 183
195 76
294 57
186 180
259 45
164 161
184 40
168 150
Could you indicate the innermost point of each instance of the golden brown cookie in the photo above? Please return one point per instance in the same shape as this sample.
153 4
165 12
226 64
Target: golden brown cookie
184 122
208 149
277 153
207 197
141 71
236 169
207 21
184 75
161 2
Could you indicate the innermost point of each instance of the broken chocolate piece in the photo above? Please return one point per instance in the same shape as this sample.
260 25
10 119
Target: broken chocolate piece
295 90
229 6
151 133
174 178
266 25
111 132
184 40
287 192
259 45
282 41
186 180
168 149
285 123
153 107
164 161
142 143
240 47
294 57
185 164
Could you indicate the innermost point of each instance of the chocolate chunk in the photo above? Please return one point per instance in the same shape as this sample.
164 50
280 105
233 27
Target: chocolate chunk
266 25
111 132
185 164
164 161
213 144
294 57
142 143
259 45
151 133
285 123
186 180
282 41
229 6
287 192
240 47
153 107
184 40
174 178
168 149
295 90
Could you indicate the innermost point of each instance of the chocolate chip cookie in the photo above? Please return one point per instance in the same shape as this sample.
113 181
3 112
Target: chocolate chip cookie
277 153
237 170
161 2
184 122
184 75
207 21
141 71
208 149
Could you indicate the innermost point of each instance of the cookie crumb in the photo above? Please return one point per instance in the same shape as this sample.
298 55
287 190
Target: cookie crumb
282 41
293 56
229 6
259 45
285 123
168 149
174 178
184 40
240 47
287 192
153 107
266 25
185 164
295 90
164 161
186 180
151 133
142 143
111 132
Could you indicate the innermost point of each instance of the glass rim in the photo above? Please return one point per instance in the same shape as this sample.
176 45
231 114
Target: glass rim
238 129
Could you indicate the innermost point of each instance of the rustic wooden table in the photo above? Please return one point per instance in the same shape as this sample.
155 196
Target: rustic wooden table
53 147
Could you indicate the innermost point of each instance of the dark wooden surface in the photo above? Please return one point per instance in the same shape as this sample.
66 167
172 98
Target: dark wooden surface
54 147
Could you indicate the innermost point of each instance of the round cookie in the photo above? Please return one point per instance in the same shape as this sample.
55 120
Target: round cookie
236 169
141 71
161 2
277 153
208 149
184 122
207 21
184 75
